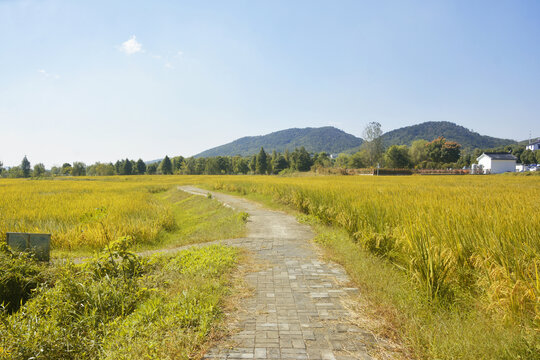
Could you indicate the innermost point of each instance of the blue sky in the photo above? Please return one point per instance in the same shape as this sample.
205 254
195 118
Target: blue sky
102 80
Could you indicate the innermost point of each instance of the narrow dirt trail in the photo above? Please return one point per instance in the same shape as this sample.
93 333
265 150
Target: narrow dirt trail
297 311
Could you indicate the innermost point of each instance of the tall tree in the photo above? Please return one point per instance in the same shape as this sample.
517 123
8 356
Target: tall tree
66 169
253 164
79 169
373 142
418 151
189 166
141 167
434 149
151 169
302 160
240 165
39 170
397 157
280 164
442 151
451 151
25 167
356 161
527 157
165 167
127 167
118 167
177 162
261 162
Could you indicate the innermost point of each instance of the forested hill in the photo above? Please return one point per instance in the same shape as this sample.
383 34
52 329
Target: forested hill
433 129
327 139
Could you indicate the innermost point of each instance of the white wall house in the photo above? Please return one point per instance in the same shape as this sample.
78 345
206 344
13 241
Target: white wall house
533 146
496 163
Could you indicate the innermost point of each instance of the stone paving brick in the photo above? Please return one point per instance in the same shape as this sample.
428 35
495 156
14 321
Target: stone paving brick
296 312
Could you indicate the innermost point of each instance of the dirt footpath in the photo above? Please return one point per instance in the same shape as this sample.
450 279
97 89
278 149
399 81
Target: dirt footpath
297 311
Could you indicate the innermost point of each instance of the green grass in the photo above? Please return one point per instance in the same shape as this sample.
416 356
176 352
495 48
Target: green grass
199 219
121 306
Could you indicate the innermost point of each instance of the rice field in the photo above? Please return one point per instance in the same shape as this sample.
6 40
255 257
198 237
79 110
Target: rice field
87 213
457 236
454 235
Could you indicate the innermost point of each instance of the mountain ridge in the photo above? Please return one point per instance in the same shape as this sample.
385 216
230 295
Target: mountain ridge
333 140
328 139
430 130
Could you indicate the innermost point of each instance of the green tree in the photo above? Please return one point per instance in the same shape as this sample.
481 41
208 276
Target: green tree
373 142
141 167
127 167
200 165
118 167
536 157
25 167
528 157
253 164
15 172
66 169
1 167
301 159
39 170
177 162
240 165
165 167
342 160
434 149
99 169
322 159
280 164
79 169
356 161
261 162
397 157
212 166
451 152
189 166
151 169
56 171
418 151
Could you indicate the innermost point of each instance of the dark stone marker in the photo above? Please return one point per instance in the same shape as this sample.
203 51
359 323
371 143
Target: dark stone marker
40 244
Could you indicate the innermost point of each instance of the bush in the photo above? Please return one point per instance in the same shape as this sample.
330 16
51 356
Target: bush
119 305
20 275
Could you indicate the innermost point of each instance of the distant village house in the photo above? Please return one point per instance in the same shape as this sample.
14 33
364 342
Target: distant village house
497 163
535 145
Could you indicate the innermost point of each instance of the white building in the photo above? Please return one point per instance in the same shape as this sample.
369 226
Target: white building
496 163
533 146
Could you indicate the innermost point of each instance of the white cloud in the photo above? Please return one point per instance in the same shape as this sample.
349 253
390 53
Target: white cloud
47 75
179 54
131 46
168 65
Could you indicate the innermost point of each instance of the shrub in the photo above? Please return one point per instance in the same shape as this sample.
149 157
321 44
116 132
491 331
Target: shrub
20 275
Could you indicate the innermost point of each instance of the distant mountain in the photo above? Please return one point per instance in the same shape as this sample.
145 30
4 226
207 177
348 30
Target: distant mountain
432 129
328 139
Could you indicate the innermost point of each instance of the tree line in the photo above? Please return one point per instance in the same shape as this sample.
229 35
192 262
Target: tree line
422 154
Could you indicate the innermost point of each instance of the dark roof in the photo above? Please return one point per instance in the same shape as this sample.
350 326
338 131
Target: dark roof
534 142
500 156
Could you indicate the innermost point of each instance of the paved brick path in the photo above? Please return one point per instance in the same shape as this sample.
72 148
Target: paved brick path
297 310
